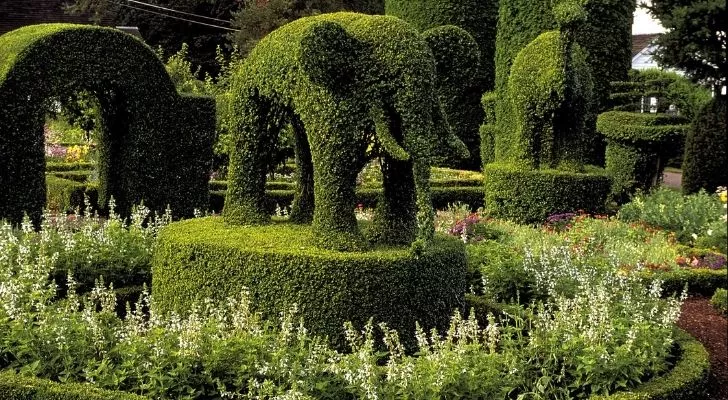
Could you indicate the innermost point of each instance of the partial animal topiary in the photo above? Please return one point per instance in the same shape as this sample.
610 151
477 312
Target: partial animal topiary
352 86
156 145
550 89
605 36
459 95
705 164
457 61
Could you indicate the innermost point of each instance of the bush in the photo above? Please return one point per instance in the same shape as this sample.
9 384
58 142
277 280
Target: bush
690 217
529 196
64 195
156 145
706 149
720 300
281 265
20 387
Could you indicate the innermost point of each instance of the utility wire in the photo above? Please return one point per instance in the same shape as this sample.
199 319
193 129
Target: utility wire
175 17
177 11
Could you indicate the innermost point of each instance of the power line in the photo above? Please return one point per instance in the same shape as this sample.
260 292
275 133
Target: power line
178 18
177 11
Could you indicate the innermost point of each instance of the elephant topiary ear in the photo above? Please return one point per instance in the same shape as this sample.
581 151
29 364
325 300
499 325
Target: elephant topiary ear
457 57
329 55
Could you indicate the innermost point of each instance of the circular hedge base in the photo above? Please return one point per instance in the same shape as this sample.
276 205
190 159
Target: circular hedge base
530 196
280 266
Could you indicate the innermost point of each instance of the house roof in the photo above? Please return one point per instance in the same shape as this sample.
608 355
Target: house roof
17 13
640 42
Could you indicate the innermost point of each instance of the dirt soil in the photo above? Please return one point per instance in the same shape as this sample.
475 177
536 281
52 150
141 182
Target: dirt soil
706 324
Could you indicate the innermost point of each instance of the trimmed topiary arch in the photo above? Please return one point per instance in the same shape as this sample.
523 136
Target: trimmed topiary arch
155 146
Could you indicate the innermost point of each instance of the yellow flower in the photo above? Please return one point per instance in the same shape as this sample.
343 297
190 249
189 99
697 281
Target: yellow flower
723 197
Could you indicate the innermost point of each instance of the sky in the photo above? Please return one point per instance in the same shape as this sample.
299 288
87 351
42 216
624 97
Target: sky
644 23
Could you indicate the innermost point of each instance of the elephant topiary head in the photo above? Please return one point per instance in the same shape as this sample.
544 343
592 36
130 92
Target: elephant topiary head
353 87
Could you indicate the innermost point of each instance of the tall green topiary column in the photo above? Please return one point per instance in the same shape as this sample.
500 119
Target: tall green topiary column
705 165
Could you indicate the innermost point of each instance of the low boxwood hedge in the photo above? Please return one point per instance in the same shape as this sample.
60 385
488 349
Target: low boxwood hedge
529 196
281 265
59 166
64 195
18 387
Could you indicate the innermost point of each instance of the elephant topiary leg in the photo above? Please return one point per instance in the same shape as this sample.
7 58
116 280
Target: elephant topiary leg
303 203
334 222
245 202
395 219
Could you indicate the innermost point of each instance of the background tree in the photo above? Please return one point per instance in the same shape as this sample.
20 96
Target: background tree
167 32
695 41
257 18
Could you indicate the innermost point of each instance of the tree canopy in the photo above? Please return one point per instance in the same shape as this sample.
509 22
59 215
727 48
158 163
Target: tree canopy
695 41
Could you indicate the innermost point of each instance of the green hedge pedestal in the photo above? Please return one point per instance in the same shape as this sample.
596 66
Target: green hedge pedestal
638 147
529 196
280 265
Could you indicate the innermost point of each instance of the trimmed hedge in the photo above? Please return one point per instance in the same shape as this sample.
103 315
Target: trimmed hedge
65 195
529 196
699 281
18 387
706 149
282 264
638 147
156 144
340 80
56 166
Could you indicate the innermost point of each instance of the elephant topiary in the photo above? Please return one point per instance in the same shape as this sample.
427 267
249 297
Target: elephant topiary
352 87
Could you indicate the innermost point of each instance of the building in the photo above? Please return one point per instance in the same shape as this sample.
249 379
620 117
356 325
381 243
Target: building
642 48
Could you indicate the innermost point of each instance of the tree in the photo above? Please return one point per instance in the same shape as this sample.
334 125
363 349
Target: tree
257 18
695 41
165 31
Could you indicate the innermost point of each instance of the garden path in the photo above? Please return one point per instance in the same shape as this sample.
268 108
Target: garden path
701 320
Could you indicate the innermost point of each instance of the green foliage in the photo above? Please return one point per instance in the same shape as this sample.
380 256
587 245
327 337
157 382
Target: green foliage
65 195
352 87
690 217
282 264
638 147
694 40
529 196
155 145
706 149
457 62
720 300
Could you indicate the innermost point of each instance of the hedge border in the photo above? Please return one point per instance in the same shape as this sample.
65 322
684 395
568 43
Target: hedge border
529 196
18 387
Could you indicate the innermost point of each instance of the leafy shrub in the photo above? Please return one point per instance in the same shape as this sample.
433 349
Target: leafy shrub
706 149
690 217
720 300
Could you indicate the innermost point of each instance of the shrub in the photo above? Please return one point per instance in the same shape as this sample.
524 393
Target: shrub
529 196
65 195
720 300
281 265
156 145
706 149
690 217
